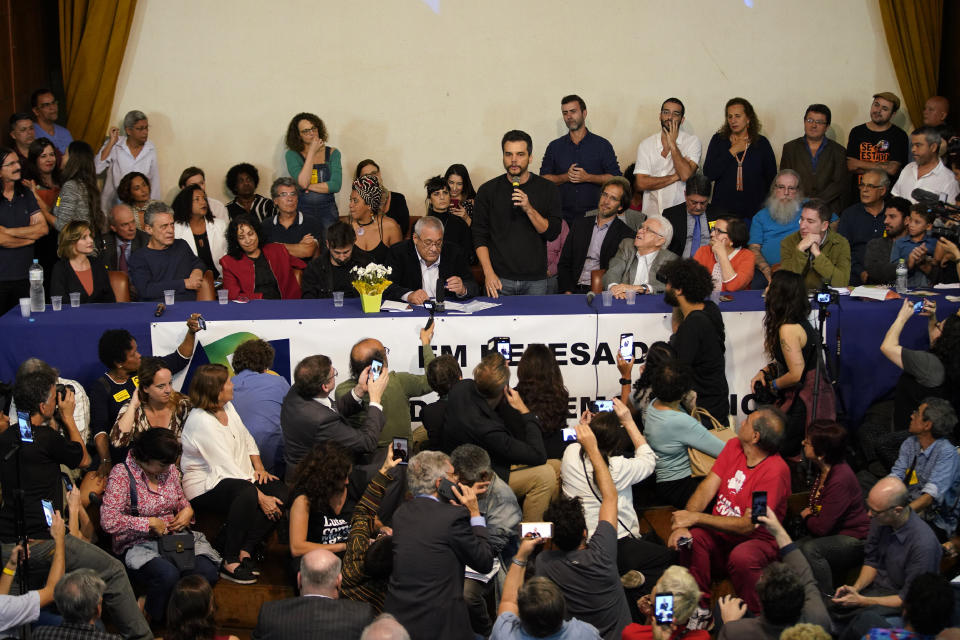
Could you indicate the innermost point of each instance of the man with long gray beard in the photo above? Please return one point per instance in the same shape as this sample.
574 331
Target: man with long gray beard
773 223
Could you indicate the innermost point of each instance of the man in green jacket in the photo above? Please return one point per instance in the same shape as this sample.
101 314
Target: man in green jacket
820 255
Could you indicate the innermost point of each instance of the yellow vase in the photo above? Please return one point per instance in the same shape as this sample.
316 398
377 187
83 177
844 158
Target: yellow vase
371 303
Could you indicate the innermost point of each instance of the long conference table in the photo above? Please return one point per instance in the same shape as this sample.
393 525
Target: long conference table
583 337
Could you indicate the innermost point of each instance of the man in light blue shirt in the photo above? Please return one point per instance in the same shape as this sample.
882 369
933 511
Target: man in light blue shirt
258 396
46 110
773 223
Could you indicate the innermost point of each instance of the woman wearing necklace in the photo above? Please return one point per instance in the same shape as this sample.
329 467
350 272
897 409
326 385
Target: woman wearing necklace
155 405
740 162
392 203
78 270
206 235
375 232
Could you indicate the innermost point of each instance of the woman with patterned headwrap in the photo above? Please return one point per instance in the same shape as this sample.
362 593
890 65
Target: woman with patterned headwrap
375 231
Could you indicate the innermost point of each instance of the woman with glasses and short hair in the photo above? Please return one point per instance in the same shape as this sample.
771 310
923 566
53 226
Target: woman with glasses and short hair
727 258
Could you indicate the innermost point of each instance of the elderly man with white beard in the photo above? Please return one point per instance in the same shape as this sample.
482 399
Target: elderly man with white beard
773 223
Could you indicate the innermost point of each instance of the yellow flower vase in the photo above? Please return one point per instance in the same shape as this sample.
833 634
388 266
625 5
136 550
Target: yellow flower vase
371 303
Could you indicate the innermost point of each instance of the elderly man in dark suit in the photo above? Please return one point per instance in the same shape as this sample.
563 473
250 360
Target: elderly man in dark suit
594 238
310 416
433 540
318 612
123 238
638 260
424 264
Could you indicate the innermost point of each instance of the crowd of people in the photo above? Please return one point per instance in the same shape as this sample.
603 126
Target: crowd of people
396 530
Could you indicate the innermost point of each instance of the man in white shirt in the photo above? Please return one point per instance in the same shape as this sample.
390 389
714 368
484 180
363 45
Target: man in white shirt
195 175
926 171
120 155
666 160
637 262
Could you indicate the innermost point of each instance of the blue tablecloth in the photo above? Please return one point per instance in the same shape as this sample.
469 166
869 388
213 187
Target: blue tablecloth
68 338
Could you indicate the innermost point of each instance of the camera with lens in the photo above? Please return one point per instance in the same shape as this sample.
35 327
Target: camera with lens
62 390
827 296
947 233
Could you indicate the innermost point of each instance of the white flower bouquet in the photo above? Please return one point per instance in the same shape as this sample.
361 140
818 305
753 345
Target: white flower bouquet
371 280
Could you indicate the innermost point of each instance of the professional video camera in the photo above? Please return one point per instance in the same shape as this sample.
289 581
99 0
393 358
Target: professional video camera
933 203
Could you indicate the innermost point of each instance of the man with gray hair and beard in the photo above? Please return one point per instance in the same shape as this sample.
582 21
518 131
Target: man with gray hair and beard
433 540
773 223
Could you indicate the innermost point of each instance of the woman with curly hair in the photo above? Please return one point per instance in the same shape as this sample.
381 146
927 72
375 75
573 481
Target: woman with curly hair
314 166
740 162
134 191
376 232
243 180
190 612
540 384
791 341
392 203
196 224
257 272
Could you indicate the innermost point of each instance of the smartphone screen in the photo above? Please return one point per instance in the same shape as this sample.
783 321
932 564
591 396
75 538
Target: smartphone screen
201 323
536 529
599 406
626 346
759 506
503 347
918 306
47 511
663 608
375 367
569 434
400 450
26 431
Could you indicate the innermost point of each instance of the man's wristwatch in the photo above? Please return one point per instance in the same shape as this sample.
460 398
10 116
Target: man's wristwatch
625 381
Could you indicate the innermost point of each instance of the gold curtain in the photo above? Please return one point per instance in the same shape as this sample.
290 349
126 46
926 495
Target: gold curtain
913 29
93 39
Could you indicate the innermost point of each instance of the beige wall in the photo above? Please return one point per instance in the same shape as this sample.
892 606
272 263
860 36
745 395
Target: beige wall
417 90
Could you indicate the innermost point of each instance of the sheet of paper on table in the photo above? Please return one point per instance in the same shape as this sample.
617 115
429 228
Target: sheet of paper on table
470 307
394 306
871 293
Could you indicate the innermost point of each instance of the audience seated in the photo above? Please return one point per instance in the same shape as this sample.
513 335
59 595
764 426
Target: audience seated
787 591
39 479
899 548
727 259
540 384
778 219
166 263
670 430
916 247
190 613
876 256
819 162
665 161
698 336
740 179
926 171
726 536
331 271
25 608
46 111
314 167
79 270
393 205
223 474
511 245
120 155
433 542
122 239
135 191
300 234
477 413
688 219
79 598
255 270
243 180
594 238
864 222
677 582
365 201
143 502
585 566
440 206
658 354
878 143
834 517
471 466
427 263
820 255
462 193
195 176
154 404
638 261
197 226
258 395
442 373
927 610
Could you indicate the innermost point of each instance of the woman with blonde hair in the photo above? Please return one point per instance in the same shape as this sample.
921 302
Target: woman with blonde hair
78 270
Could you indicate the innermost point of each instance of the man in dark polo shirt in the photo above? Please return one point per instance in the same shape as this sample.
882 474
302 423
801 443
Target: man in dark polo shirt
864 221
515 215
579 162
299 234
21 224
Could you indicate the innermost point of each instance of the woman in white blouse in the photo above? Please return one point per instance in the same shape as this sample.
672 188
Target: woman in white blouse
206 235
222 472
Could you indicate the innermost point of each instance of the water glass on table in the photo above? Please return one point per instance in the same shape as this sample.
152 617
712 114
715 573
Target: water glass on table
608 298
75 299
56 302
338 298
223 296
25 307
169 296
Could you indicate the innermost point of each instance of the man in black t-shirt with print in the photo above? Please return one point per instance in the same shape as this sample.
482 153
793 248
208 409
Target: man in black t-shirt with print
878 143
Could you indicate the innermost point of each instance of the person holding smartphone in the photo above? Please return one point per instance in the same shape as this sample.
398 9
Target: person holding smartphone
676 593
25 608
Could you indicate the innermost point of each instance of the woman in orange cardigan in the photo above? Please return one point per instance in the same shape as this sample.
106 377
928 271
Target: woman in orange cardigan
727 257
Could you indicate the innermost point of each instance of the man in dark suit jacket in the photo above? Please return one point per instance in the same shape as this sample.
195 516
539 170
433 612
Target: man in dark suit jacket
309 415
123 233
318 612
593 240
432 542
420 262
684 217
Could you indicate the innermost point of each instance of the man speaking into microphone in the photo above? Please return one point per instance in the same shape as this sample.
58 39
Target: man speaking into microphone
818 254
514 217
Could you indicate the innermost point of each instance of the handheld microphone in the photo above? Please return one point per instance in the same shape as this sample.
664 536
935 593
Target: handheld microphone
516 185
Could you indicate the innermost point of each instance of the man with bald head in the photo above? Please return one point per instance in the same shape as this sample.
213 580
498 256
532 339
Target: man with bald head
899 547
385 627
318 611
123 238
935 112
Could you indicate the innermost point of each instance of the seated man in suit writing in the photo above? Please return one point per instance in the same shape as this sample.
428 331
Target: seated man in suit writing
166 262
594 239
425 263
635 266
319 610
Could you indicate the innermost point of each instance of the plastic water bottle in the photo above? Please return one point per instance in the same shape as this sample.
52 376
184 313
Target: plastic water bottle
901 276
37 297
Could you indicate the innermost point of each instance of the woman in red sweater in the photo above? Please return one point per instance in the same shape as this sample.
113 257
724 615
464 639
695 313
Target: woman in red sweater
257 272
727 257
